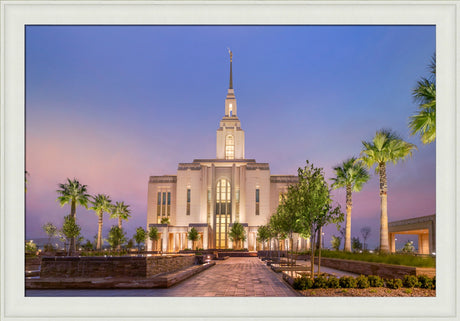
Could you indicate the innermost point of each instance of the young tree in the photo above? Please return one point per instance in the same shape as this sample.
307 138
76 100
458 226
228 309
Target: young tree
365 231
335 242
423 123
408 247
237 234
130 244
70 229
288 216
101 203
140 236
154 236
315 206
75 194
263 235
30 247
88 246
356 244
120 211
385 147
116 237
193 236
51 230
352 175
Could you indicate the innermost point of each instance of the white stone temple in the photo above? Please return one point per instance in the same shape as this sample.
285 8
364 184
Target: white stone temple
212 194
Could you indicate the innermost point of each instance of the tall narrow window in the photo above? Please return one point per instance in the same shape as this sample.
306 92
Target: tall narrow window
188 201
163 209
257 201
223 212
229 147
209 207
159 204
169 204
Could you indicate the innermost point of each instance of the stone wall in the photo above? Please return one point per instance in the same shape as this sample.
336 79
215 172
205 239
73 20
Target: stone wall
161 264
98 267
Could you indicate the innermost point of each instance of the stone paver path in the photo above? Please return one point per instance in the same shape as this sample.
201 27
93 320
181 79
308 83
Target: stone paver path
235 277
245 276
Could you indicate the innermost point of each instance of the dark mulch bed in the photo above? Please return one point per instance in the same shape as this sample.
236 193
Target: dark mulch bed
369 292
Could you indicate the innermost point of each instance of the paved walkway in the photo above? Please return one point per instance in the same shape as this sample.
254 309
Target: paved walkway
245 276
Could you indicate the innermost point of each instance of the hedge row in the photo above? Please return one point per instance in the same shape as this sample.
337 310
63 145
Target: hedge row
362 282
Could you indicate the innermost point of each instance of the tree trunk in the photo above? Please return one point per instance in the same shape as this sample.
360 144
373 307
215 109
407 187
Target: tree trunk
384 244
73 214
119 226
347 247
312 256
99 233
319 251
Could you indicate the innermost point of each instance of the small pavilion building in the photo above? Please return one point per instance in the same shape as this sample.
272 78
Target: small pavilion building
424 227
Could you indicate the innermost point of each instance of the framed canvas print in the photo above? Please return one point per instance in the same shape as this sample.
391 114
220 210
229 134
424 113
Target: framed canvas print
248 160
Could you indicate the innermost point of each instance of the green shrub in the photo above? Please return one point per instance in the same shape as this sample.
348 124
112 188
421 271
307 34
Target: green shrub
299 283
347 282
362 282
434 283
410 281
393 283
333 282
425 282
375 281
302 283
320 282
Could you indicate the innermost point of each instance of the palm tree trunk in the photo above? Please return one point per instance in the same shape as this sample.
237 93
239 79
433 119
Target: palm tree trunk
119 226
384 245
73 214
347 247
99 233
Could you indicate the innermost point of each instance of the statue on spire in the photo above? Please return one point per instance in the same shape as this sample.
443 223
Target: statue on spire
231 54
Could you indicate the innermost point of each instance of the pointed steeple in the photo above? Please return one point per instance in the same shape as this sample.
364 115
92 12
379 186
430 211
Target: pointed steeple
231 74
230 101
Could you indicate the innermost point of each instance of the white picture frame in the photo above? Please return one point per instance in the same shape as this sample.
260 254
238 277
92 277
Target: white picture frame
16 14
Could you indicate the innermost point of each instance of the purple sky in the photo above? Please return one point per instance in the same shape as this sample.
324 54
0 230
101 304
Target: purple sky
112 105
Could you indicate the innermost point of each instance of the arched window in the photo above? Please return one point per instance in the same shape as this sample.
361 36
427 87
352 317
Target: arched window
229 147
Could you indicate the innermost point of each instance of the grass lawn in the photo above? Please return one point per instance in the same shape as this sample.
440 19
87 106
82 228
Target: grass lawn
395 258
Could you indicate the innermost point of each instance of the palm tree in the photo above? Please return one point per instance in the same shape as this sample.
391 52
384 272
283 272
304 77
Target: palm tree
101 203
120 211
352 175
385 147
423 122
73 193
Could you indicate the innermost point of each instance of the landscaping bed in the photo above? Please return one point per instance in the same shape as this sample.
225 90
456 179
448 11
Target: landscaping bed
372 285
369 292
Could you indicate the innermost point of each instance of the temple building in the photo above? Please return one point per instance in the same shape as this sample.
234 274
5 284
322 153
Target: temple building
210 195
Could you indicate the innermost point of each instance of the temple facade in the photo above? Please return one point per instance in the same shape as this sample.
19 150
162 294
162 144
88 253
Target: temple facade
210 195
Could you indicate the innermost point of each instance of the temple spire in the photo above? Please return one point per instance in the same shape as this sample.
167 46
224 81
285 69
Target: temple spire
230 86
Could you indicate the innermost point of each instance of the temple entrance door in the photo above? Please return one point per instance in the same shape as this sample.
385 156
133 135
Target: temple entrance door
223 213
